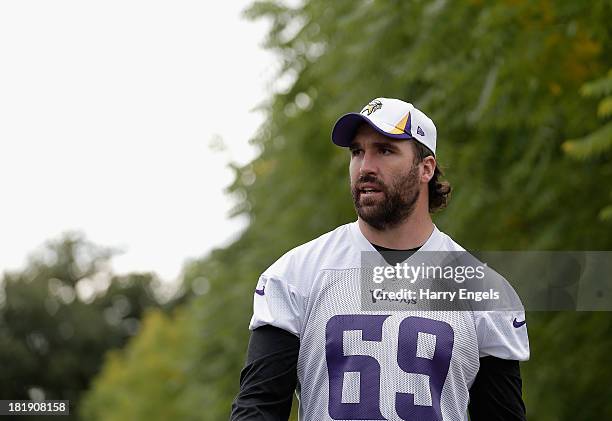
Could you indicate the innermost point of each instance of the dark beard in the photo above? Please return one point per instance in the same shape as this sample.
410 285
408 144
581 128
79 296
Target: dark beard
398 202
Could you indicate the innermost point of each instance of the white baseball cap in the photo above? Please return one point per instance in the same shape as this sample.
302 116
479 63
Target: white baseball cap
390 117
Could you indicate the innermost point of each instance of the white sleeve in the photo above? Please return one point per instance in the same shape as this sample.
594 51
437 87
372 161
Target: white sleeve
276 299
502 334
276 303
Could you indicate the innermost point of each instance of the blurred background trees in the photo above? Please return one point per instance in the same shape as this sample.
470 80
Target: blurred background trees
60 315
520 92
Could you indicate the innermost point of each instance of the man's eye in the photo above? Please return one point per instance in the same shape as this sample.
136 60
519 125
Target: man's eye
386 151
355 152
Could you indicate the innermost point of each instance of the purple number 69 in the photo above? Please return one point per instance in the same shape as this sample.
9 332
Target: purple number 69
368 407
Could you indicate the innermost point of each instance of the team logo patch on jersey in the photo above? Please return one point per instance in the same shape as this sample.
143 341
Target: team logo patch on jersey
260 291
371 107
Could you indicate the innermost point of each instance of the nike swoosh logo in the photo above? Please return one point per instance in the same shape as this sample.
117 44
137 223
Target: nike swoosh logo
260 291
515 323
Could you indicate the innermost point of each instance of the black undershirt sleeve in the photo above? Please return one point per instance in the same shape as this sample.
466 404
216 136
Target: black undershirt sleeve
269 377
495 394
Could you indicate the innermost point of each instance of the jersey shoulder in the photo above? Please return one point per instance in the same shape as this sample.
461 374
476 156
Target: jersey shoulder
332 250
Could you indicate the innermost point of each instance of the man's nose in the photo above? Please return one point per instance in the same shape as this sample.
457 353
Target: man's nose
368 163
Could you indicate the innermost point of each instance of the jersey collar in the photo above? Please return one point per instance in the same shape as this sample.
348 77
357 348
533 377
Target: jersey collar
433 243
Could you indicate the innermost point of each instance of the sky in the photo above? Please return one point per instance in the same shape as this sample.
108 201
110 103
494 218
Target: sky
107 113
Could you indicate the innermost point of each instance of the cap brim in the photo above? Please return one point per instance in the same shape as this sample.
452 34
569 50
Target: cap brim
345 128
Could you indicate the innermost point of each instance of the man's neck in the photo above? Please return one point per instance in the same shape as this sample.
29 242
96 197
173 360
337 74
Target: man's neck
411 233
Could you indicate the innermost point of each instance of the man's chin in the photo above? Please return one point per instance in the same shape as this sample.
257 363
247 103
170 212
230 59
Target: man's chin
371 202
371 215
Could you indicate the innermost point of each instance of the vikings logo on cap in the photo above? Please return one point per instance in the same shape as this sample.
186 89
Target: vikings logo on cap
372 106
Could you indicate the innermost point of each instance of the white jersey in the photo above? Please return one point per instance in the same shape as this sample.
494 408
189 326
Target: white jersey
375 365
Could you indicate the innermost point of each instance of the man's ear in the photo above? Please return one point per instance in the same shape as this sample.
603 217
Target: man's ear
429 167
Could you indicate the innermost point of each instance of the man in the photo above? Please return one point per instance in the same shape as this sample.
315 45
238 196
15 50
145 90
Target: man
310 333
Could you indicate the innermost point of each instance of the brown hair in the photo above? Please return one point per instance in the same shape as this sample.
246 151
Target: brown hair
439 190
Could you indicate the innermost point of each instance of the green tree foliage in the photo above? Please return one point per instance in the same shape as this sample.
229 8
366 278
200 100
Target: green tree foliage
157 376
501 79
598 143
60 315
